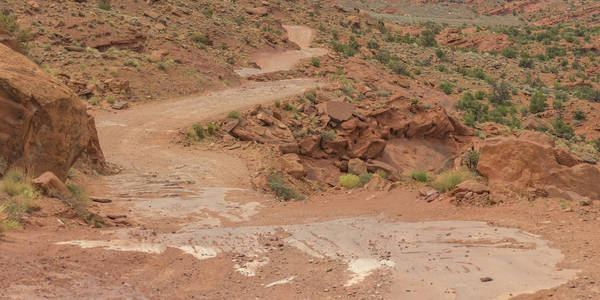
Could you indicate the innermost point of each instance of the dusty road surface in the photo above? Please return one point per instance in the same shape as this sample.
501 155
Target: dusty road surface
200 231
273 61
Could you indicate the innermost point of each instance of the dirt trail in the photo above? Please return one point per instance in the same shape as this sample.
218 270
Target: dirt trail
273 61
196 212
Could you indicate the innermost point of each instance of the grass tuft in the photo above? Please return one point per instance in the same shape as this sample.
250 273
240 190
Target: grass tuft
22 198
448 180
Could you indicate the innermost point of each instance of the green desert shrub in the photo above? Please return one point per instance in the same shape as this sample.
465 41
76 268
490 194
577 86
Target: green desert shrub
349 181
448 180
420 176
234 114
596 144
579 115
510 52
316 62
282 191
78 201
381 174
501 93
428 38
471 160
479 95
365 178
447 87
563 130
105 5
201 38
537 103
327 136
22 198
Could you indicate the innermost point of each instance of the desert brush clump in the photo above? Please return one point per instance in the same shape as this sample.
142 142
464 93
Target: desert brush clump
420 176
365 178
234 114
349 181
20 198
448 180
199 132
277 184
471 160
9 23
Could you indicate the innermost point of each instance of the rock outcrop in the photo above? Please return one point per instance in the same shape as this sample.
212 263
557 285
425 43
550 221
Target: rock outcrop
341 131
43 125
532 161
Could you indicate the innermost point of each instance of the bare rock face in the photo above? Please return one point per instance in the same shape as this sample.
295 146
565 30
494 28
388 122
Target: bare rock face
531 160
43 125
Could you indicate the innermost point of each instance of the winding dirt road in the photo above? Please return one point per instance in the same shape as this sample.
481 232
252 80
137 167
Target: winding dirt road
202 233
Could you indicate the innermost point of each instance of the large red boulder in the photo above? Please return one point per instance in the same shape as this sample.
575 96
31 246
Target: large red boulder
43 125
532 160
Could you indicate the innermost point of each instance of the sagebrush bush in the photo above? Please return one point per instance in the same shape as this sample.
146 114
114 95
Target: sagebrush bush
447 181
316 62
78 201
381 174
420 176
9 23
234 114
579 115
563 130
23 36
277 184
365 178
22 198
471 160
596 144
104 5
537 103
311 96
201 38
447 87
327 136
349 181
501 93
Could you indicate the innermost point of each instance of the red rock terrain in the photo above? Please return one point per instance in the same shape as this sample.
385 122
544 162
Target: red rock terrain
317 150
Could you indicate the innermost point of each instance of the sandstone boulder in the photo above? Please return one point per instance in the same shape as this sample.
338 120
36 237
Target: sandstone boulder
530 161
470 186
43 125
377 183
51 186
291 164
289 148
337 110
357 166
